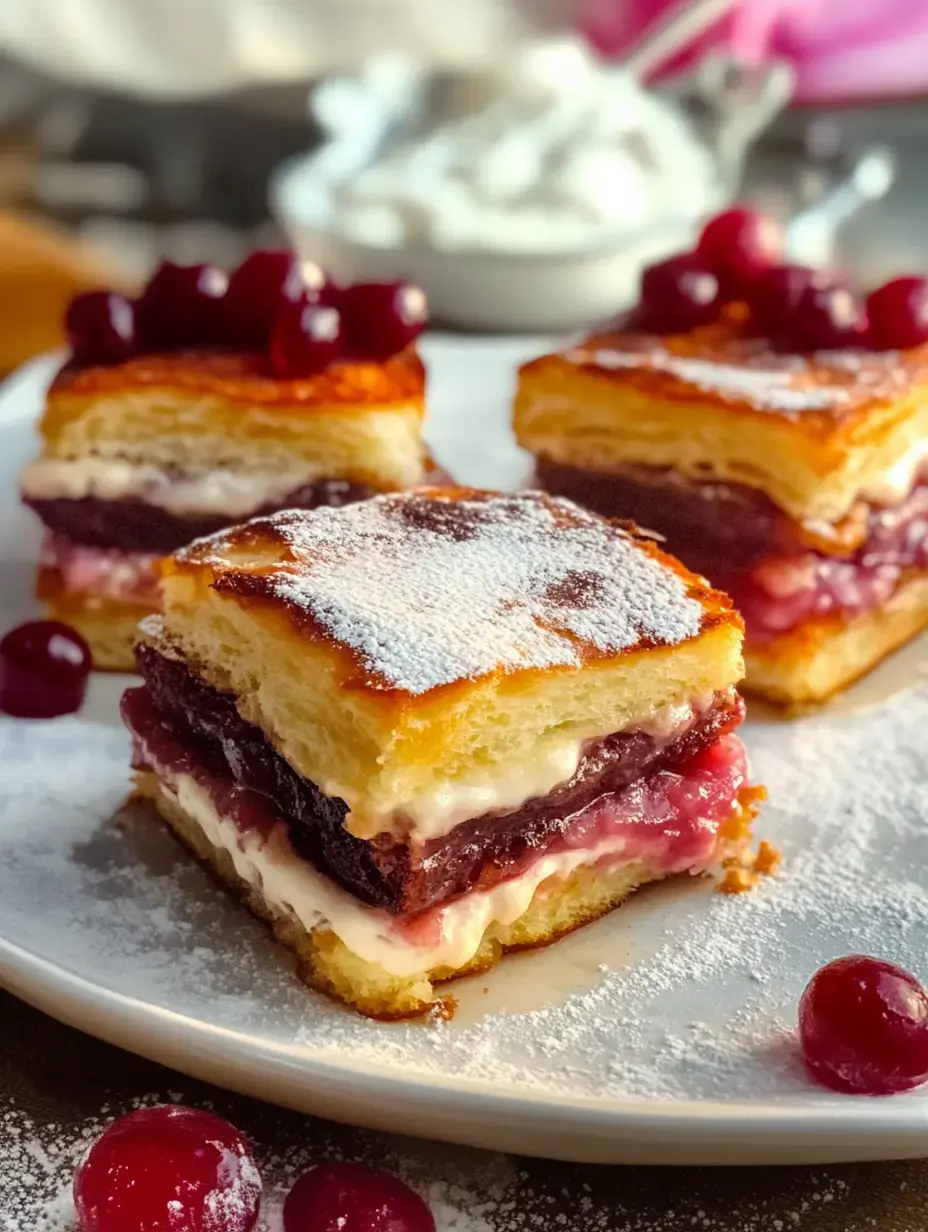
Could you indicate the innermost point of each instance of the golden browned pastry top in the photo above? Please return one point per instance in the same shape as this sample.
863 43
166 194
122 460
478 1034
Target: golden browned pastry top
241 376
424 589
725 365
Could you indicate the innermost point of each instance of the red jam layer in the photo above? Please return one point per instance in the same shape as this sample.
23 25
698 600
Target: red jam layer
389 872
104 573
786 591
669 821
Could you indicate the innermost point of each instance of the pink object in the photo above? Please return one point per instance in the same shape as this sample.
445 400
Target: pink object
857 49
785 591
107 573
44 667
863 1027
168 1167
345 1197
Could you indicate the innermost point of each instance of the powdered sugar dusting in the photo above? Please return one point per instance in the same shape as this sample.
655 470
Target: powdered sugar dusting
427 590
698 1001
751 374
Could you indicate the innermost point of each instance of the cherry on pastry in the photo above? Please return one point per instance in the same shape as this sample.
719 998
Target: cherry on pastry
181 306
44 666
737 246
863 1027
676 295
100 327
354 1198
826 317
256 289
774 295
168 1167
306 338
897 315
382 318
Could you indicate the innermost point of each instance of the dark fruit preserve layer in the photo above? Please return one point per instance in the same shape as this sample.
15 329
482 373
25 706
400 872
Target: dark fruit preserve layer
134 526
723 527
386 872
747 547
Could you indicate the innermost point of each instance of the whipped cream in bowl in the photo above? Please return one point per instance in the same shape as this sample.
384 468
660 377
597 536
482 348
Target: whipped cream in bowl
528 197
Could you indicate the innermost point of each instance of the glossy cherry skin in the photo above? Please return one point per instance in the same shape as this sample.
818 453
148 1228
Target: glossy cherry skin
182 306
774 294
863 1027
44 666
163 1168
100 327
826 318
354 1198
676 295
257 288
306 338
737 245
382 318
897 315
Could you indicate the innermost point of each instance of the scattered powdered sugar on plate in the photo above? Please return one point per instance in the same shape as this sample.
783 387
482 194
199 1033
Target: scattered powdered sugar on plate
699 996
427 591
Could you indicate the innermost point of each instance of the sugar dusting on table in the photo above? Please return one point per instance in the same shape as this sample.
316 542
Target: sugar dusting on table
466 1190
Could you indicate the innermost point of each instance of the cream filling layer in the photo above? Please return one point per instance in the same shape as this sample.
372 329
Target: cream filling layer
435 813
896 482
290 885
222 492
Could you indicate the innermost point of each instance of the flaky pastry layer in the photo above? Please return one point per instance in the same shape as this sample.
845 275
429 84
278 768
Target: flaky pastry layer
809 664
813 463
360 422
381 747
109 628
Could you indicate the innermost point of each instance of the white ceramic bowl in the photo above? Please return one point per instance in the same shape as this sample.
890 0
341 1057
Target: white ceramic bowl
479 289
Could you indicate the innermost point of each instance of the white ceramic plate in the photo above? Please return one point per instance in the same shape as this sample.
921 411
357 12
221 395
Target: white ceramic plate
661 1034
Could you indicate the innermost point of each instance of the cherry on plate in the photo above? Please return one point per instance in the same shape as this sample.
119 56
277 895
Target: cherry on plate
168 1167
44 666
737 246
257 288
181 306
382 318
100 327
306 338
827 317
863 1027
354 1198
676 295
897 314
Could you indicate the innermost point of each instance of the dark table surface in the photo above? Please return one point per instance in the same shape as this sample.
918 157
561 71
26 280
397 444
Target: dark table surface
57 1088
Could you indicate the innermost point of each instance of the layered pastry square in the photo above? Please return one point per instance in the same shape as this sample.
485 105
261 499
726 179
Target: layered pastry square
419 731
797 484
146 450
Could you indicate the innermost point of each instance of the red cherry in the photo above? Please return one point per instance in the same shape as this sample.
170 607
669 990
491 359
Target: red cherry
897 314
44 667
774 295
827 317
737 245
863 1027
168 1167
100 326
381 318
354 1198
676 295
306 338
181 306
256 289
